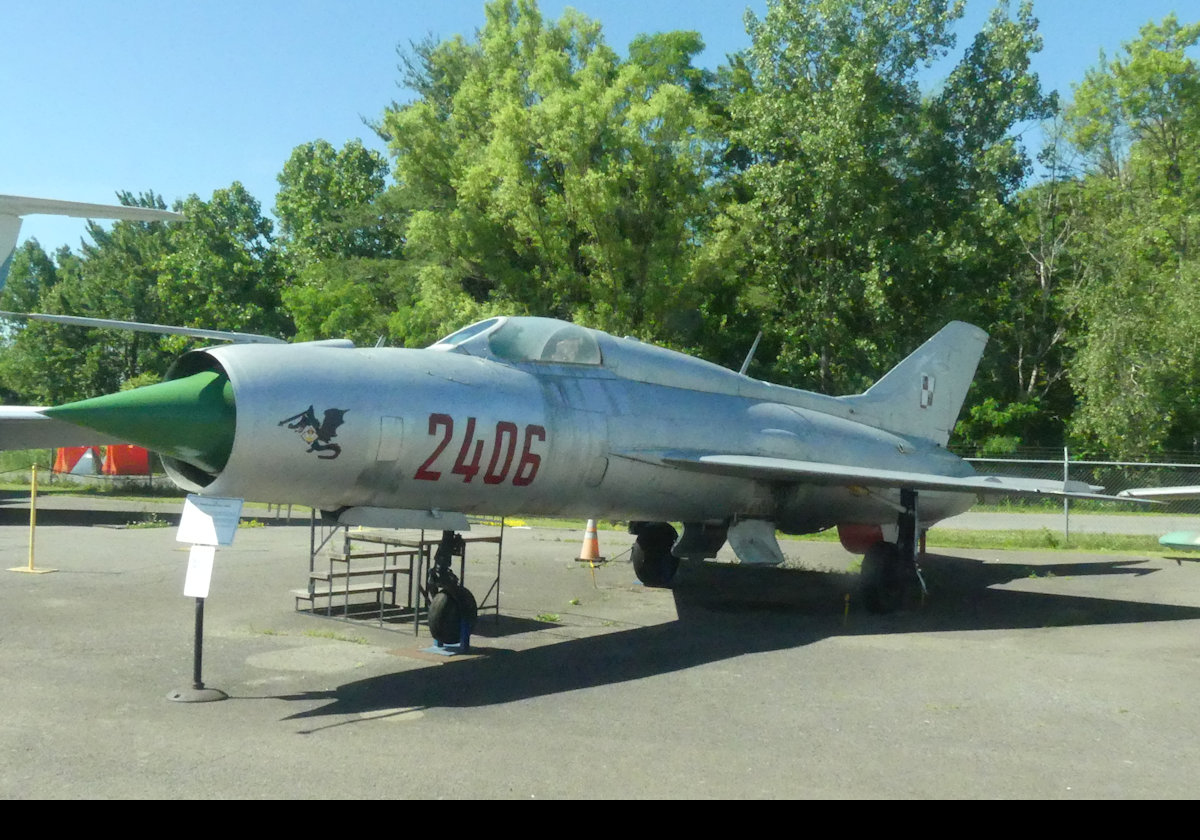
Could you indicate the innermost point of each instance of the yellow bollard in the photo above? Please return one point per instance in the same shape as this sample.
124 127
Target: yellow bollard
32 529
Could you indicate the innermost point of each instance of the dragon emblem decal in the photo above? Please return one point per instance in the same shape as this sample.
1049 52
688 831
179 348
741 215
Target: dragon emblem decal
318 435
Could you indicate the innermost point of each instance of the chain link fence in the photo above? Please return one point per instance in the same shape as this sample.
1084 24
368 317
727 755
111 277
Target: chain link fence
1113 476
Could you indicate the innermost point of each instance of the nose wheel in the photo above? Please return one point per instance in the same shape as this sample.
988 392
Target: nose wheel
452 614
452 608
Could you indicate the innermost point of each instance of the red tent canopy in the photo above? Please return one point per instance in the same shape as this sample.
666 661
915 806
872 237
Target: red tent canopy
126 459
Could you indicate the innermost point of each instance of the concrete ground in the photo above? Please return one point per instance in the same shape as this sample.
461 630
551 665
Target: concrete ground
1048 675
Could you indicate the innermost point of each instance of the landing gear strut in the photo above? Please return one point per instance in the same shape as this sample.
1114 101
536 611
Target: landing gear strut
653 562
889 569
452 607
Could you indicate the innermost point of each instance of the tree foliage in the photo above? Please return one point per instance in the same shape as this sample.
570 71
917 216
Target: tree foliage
339 243
1136 122
212 271
875 212
821 187
544 174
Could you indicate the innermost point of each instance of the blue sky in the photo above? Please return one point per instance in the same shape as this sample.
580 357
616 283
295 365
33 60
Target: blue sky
187 96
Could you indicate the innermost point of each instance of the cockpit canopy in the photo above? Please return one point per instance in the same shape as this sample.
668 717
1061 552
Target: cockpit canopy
526 339
574 350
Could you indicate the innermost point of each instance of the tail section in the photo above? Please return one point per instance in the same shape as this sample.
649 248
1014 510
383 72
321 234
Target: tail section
14 207
922 396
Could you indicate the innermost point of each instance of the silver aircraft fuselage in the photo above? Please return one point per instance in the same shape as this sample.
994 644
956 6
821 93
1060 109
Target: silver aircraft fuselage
489 423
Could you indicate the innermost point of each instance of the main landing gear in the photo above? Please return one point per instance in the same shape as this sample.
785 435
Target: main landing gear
890 569
653 562
452 607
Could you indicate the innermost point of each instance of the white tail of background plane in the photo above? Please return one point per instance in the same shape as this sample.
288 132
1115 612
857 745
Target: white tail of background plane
14 207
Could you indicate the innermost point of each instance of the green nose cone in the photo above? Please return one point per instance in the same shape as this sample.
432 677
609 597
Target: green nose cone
190 419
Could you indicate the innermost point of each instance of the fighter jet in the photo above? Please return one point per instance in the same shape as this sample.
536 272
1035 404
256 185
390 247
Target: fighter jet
536 416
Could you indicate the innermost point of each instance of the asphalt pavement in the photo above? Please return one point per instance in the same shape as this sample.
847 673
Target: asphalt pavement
1021 675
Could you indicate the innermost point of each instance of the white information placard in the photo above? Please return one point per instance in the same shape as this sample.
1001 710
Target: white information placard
199 572
209 520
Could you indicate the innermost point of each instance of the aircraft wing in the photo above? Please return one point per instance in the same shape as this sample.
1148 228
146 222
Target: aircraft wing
841 475
19 205
138 326
1164 493
25 427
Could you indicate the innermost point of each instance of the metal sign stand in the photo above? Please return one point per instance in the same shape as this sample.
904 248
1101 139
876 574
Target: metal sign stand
206 523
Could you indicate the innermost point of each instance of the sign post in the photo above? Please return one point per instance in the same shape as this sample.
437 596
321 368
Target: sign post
206 523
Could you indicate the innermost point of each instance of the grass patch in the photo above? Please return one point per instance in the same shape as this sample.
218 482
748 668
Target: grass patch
151 521
19 460
335 636
1045 540
118 488
1042 539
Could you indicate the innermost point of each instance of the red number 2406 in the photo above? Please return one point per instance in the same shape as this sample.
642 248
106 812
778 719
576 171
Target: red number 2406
469 463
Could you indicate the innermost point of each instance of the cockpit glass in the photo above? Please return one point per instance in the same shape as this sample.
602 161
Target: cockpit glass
462 335
544 340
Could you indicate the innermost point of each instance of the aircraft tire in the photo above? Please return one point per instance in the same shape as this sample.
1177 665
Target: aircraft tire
882 578
446 613
653 562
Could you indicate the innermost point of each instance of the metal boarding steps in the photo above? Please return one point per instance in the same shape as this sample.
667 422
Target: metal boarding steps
390 566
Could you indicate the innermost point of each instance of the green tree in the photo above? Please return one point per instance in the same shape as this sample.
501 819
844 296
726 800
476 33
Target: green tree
873 213
1136 122
324 203
1023 390
32 273
338 242
115 276
544 174
220 270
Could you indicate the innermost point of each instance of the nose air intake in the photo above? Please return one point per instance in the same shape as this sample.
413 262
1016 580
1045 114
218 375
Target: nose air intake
191 419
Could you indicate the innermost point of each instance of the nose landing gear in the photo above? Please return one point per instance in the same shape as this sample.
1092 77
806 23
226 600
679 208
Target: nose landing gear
452 608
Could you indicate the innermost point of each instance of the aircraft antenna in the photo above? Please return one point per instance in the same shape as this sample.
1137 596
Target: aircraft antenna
750 355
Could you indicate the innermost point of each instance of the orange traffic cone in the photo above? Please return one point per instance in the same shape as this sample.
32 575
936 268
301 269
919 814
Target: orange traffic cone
590 552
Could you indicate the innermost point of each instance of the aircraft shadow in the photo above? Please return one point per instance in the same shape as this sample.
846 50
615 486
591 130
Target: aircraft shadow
729 611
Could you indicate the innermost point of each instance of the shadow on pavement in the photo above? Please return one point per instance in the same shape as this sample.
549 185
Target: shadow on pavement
726 611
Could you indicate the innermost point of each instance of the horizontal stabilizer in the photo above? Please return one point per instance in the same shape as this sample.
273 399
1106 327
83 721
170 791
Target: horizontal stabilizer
17 205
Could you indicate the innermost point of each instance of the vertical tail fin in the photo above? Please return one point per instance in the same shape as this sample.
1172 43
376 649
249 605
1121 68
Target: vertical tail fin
922 396
10 228
14 207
